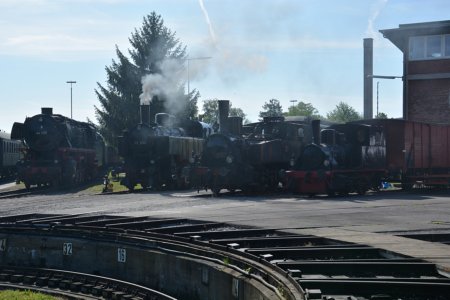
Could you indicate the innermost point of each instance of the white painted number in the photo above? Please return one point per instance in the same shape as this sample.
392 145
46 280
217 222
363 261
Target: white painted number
67 249
235 288
121 255
3 245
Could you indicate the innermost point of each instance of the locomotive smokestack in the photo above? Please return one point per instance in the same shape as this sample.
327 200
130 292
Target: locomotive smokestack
224 109
315 124
145 113
47 111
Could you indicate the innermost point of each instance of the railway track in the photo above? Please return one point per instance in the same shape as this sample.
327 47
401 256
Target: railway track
288 265
73 285
19 193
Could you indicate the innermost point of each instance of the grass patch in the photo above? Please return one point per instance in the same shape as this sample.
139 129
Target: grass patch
115 181
25 295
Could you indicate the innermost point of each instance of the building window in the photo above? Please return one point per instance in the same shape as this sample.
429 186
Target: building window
429 47
449 98
417 47
447 45
434 46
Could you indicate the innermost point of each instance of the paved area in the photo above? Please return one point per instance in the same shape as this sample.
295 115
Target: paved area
369 219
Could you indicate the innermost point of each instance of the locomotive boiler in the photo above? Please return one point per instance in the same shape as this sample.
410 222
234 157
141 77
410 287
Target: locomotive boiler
59 150
252 161
155 153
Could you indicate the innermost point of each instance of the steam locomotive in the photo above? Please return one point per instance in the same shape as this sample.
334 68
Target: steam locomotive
59 150
250 162
155 153
358 156
9 155
344 158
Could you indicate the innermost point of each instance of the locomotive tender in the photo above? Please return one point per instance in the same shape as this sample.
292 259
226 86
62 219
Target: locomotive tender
155 153
59 150
358 156
9 155
249 162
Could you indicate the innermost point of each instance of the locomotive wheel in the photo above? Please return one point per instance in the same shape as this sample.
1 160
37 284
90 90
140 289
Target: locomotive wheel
55 183
215 191
407 186
343 193
361 190
361 186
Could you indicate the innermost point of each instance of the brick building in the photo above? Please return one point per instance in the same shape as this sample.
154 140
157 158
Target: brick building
426 69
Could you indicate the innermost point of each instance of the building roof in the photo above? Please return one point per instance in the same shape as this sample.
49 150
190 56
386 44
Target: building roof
400 36
4 135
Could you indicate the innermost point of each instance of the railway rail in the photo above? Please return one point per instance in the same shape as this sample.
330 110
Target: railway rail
285 265
74 285
21 192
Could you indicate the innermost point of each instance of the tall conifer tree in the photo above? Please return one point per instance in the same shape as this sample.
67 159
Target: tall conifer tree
151 46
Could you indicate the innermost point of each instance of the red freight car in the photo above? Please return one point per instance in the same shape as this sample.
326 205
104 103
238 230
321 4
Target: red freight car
415 152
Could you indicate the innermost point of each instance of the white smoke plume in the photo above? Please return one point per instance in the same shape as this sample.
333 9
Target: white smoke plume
164 85
230 61
208 21
375 11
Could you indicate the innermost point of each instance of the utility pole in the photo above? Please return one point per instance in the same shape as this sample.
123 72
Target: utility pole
71 82
378 83
189 59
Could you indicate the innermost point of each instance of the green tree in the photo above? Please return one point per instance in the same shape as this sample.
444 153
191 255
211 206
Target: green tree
303 109
154 50
271 109
211 111
343 113
381 115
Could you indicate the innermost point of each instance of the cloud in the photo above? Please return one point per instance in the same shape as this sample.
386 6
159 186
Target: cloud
42 44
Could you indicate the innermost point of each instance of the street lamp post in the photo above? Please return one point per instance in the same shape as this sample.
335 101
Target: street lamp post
378 83
71 82
293 101
189 59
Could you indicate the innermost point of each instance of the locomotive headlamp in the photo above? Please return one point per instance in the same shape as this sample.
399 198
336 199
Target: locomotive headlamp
192 159
326 163
229 159
152 161
56 161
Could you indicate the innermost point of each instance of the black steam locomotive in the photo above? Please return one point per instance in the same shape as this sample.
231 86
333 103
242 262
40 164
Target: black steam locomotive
155 153
344 158
252 161
59 150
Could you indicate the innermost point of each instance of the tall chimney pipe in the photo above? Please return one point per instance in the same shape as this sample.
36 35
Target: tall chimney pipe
315 124
145 114
47 110
224 109
368 79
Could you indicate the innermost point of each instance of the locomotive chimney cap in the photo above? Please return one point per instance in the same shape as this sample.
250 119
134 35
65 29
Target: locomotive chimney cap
47 110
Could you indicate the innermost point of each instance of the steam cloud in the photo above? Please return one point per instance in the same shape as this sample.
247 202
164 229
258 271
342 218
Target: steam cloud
230 62
376 9
164 85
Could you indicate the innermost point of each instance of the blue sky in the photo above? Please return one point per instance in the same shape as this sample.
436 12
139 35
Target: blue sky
303 50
